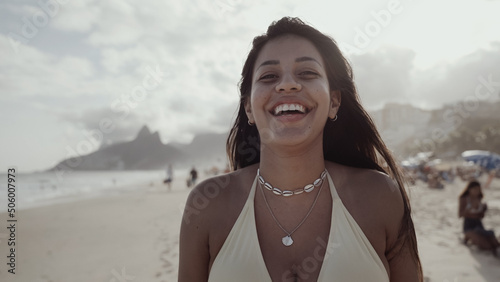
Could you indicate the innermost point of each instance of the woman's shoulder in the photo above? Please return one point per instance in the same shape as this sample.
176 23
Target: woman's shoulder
367 181
223 184
372 189
221 192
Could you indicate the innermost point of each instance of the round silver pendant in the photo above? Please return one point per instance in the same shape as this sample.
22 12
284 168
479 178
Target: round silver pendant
287 240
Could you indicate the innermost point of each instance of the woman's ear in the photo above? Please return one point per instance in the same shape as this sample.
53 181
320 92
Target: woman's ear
335 101
248 111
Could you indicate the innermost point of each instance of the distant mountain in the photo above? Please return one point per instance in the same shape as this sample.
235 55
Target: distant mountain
207 147
147 152
208 150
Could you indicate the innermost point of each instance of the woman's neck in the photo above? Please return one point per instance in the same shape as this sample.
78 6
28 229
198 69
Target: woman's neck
474 198
290 170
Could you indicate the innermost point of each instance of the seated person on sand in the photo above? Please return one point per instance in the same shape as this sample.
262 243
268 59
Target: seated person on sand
434 181
472 210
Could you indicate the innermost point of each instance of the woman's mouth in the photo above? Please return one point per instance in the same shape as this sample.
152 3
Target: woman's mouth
289 109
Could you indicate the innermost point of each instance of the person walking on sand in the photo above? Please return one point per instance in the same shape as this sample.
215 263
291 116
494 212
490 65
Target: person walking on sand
193 174
472 209
491 174
315 195
170 177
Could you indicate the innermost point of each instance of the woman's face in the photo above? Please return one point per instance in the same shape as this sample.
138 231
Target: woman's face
291 98
474 191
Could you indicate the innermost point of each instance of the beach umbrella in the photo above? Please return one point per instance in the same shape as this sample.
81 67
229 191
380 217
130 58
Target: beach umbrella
485 159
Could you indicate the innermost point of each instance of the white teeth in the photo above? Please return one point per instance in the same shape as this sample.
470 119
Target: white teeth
289 107
278 109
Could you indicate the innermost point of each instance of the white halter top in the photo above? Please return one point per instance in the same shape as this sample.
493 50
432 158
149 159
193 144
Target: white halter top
349 255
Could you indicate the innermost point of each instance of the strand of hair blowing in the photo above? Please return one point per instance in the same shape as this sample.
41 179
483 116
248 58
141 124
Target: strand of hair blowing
352 140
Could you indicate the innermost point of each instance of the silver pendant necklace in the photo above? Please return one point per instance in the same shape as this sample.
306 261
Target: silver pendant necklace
287 240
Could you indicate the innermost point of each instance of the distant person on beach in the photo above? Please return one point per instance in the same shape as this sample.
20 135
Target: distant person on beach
472 209
314 193
193 175
434 180
169 178
491 174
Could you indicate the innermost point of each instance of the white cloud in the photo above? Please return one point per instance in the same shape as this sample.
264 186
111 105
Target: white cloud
78 16
33 72
383 76
457 81
202 45
390 76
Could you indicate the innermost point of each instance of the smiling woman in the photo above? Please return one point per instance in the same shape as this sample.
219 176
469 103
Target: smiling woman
290 73
325 209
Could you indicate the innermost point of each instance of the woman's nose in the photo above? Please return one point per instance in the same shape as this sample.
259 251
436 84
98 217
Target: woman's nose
288 84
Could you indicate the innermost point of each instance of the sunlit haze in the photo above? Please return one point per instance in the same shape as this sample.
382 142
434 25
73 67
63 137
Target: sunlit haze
72 67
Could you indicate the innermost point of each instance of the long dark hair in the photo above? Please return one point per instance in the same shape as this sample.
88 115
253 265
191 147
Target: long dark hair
470 185
351 140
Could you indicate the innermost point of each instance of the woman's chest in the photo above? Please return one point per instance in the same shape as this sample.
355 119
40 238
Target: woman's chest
294 243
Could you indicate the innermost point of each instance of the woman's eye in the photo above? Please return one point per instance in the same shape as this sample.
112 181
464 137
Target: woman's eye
309 73
268 77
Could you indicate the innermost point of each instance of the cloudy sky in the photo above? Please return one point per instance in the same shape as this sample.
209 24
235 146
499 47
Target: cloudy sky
75 72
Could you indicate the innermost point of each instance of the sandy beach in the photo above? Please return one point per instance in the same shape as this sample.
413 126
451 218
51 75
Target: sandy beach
128 237
439 232
133 236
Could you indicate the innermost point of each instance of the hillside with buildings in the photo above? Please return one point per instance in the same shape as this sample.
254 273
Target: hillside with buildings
447 132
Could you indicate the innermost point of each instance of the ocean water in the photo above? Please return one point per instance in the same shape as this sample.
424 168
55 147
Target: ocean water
45 188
